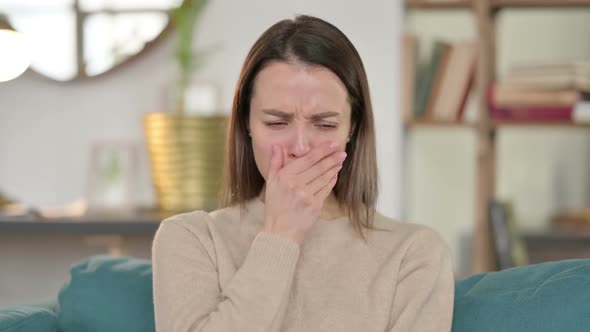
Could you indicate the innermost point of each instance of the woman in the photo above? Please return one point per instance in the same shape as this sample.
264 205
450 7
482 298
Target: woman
299 245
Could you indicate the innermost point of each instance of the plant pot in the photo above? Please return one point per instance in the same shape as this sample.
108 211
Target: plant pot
186 155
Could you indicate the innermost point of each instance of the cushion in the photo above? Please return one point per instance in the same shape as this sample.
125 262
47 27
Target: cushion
28 319
545 297
108 294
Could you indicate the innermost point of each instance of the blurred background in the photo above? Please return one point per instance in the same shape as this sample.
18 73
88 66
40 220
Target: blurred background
112 117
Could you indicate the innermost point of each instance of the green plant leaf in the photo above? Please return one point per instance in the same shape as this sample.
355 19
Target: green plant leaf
184 18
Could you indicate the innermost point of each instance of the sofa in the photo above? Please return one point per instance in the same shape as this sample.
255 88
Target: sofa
115 294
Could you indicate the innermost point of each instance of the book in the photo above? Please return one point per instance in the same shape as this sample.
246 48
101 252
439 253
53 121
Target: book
577 221
550 76
532 114
427 75
528 113
506 96
456 82
565 67
581 113
437 81
509 247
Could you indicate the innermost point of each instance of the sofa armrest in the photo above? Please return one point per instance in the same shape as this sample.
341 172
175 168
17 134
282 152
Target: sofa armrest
28 318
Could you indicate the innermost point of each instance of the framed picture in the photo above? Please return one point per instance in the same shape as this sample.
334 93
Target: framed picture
112 175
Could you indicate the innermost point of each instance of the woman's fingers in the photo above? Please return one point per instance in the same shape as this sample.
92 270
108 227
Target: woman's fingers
292 204
324 179
309 160
327 162
320 168
327 189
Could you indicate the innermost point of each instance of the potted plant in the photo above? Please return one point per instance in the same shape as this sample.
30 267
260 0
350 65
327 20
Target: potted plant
185 148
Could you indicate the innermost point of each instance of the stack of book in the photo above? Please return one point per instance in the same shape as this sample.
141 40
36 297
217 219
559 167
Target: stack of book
577 221
550 92
438 89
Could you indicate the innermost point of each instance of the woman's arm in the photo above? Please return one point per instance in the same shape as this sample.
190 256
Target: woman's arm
425 288
187 296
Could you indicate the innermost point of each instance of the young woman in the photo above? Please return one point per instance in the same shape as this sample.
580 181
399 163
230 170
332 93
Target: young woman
298 245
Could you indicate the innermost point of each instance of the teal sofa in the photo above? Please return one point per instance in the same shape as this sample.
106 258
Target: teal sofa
115 295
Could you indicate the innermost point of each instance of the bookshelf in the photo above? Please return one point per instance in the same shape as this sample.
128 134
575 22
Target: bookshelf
433 123
494 4
566 125
485 13
499 4
437 4
496 124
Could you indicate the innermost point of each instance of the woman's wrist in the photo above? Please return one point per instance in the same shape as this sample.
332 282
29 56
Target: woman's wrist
289 235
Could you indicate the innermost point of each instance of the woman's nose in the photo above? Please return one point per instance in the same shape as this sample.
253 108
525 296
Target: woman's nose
300 144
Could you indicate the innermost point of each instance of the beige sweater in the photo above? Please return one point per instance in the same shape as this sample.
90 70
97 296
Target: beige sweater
219 272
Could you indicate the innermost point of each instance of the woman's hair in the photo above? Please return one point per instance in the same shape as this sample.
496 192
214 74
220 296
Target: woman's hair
310 41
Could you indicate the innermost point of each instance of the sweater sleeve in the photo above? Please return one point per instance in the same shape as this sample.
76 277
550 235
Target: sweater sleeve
425 288
187 295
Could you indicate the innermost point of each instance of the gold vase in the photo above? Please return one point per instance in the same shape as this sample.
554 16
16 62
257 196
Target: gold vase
186 158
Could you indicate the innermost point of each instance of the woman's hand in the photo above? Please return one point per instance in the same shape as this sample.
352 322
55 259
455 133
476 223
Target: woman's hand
295 194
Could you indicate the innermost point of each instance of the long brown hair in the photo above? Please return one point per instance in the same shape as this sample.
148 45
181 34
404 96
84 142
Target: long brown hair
311 41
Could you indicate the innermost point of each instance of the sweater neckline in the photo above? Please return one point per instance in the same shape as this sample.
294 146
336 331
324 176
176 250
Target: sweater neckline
256 208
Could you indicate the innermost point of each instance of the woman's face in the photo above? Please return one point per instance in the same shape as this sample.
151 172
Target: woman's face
298 107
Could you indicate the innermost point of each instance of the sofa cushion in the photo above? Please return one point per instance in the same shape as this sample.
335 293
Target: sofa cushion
108 294
28 318
541 298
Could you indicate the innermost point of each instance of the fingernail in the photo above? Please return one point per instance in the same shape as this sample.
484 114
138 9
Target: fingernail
342 156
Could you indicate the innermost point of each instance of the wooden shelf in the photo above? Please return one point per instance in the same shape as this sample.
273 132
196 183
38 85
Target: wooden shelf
145 228
438 4
496 124
435 123
565 125
496 4
138 224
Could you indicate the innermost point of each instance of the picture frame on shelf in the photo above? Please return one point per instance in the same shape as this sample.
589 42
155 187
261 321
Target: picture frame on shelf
112 176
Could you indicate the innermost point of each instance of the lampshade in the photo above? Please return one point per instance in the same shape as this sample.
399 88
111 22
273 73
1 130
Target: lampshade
15 56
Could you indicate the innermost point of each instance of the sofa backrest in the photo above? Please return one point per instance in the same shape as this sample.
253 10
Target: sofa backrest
545 297
115 294
108 294
24 318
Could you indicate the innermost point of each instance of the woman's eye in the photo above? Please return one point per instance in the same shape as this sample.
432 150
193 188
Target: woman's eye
327 126
276 124
283 124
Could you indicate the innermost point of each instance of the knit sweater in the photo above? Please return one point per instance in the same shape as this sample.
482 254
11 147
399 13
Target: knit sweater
219 271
